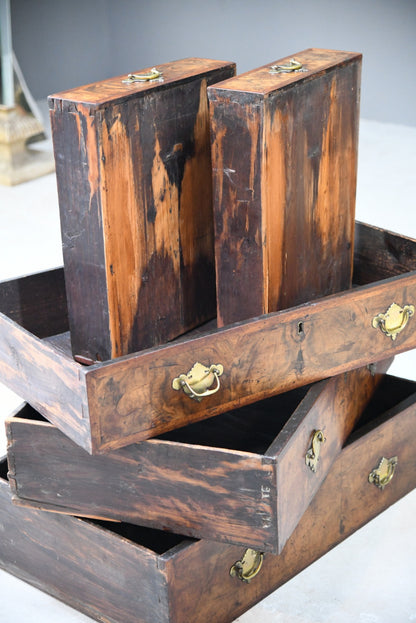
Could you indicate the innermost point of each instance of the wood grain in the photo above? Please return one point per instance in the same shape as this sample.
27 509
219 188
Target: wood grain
335 412
113 90
36 302
49 380
284 151
344 503
121 573
262 357
380 254
51 553
134 184
131 398
252 491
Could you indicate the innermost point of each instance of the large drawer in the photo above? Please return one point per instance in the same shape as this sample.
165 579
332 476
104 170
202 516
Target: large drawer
244 477
116 403
122 573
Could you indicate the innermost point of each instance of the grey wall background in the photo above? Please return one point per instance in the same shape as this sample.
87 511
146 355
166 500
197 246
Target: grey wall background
65 43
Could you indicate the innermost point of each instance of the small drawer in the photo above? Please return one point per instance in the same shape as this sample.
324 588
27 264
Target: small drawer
125 573
113 404
244 477
138 256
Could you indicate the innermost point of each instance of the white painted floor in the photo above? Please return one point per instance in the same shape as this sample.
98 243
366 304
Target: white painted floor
371 577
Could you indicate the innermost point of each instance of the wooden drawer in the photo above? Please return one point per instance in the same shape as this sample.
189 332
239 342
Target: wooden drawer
132 163
284 222
116 403
182 580
230 478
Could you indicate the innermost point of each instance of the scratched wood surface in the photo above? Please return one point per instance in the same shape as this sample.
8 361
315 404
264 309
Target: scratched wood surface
133 169
284 153
345 502
382 253
334 412
130 399
231 478
191 579
275 353
100 578
36 302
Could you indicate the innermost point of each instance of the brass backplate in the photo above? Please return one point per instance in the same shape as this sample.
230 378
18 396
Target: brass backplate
383 474
312 455
198 382
249 566
394 320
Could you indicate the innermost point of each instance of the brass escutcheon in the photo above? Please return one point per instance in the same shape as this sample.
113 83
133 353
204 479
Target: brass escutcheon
312 455
292 66
394 320
198 381
152 75
249 566
382 475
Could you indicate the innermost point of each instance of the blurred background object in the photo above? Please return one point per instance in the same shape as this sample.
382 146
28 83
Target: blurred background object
20 119
61 44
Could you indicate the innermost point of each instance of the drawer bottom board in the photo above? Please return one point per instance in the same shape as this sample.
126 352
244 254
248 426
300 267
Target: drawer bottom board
119 573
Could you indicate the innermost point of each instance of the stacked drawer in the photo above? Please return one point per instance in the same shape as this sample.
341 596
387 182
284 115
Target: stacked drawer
240 433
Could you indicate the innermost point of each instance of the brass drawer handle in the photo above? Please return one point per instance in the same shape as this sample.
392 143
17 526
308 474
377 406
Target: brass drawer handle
292 66
198 381
382 475
249 566
394 320
312 455
152 75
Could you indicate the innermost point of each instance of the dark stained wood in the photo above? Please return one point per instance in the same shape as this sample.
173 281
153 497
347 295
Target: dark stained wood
262 357
284 151
83 564
345 502
335 412
131 398
380 254
36 302
252 491
133 169
46 377
122 573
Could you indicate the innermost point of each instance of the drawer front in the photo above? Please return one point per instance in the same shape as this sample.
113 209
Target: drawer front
313 437
385 469
247 492
203 492
118 403
133 399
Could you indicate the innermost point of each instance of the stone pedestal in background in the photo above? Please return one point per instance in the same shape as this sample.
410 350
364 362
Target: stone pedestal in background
18 161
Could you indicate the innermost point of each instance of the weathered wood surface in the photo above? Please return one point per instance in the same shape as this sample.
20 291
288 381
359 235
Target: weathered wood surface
380 254
190 581
133 168
190 482
36 302
131 398
334 411
261 357
344 503
46 377
284 152
89 567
